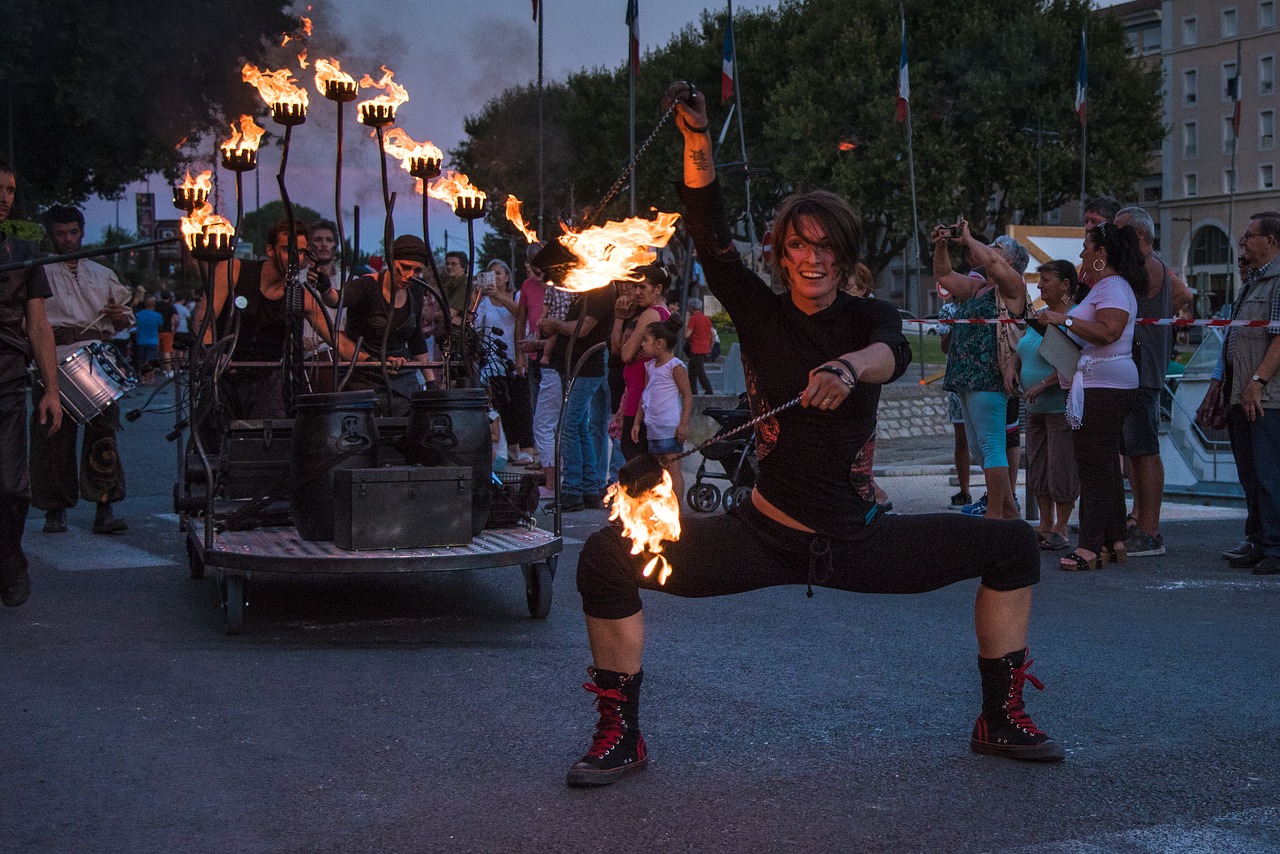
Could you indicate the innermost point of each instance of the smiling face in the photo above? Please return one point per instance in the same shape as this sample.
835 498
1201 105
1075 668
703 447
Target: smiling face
809 263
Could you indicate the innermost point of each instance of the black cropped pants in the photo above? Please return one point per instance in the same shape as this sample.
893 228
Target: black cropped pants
745 550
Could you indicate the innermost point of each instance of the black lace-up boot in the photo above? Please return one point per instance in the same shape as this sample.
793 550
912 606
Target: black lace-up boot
1004 728
617 747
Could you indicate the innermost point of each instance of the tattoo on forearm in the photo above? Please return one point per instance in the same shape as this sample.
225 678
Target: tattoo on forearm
699 158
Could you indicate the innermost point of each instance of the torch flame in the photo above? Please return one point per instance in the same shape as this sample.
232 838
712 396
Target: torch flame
517 219
401 146
246 138
202 182
306 25
614 250
393 94
302 59
648 520
452 186
329 69
203 221
275 87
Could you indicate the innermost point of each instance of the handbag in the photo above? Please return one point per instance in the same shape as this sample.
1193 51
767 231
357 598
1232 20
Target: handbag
1059 350
1007 337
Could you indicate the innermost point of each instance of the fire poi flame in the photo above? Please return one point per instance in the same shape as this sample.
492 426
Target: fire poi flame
401 146
275 87
517 219
330 70
393 94
245 138
204 223
647 520
614 250
456 189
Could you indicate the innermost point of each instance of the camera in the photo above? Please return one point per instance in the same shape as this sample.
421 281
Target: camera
951 231
487 279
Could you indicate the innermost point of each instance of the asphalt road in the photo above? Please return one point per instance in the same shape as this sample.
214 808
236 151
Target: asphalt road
429 713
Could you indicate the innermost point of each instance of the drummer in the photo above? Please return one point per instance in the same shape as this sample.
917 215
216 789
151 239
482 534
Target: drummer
389 299
88 304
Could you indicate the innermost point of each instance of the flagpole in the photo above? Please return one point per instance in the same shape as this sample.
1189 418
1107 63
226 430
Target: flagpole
542 13
911 293
742 139
631 77
1235 179
1084 116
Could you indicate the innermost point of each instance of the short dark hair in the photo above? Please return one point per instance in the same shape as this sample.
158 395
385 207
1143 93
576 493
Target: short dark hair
324 225
1268 223
662 330
1105 205
63 214
837 218
461 256
1064 270
281 226
655 274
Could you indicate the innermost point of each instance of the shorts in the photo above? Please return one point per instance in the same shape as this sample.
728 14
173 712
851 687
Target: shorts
166 342
1140 436
666 446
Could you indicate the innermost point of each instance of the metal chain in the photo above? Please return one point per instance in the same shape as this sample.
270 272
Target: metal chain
621 182
743 427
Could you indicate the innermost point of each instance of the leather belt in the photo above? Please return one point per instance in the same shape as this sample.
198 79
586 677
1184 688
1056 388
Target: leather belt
63 335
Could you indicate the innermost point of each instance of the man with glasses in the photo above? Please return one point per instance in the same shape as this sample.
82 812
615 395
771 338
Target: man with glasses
1250 360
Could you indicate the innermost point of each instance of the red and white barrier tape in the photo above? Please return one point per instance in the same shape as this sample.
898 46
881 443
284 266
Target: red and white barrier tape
1144 321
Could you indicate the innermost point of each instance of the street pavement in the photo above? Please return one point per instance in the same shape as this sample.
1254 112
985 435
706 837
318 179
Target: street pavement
427 712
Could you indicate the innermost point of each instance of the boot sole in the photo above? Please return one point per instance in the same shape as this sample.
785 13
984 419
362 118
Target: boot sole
580 779
1046 751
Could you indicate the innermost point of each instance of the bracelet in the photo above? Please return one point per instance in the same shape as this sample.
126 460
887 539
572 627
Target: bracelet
693 129
853 374
832 369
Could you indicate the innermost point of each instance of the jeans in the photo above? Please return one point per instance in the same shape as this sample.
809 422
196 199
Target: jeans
1256 447
583 460
14 483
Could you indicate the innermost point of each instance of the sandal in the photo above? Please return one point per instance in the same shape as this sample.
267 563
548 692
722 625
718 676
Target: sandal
1076 562
1117 555
1053 541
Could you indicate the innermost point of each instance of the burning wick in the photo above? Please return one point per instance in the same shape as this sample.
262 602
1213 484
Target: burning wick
193 192
240 152
421 159
207 234
288 103
334 83
646 505
381 111
468 201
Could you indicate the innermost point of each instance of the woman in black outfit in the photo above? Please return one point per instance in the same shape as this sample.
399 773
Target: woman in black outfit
813 518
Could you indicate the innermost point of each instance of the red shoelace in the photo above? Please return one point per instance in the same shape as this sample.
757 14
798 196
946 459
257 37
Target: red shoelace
610 728
1014 706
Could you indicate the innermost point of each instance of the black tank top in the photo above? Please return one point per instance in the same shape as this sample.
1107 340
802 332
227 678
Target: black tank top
262 320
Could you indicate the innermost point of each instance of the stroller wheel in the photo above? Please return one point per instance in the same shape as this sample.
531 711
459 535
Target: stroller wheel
733 497
703 497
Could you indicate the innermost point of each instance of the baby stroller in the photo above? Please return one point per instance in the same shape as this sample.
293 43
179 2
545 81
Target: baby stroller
734 458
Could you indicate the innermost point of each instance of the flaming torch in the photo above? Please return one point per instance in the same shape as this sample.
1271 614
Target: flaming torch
469 203
193 192
209 237
337 86
421 160
381 110
288 103
240 152
644 501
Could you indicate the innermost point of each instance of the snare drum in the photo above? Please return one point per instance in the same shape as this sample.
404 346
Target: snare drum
92 378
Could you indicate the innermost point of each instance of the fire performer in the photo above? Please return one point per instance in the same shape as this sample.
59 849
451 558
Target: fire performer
812 518
257 392
24 334
88 304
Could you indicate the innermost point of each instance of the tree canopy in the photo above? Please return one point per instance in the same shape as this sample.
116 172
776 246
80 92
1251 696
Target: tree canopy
103 91
816 73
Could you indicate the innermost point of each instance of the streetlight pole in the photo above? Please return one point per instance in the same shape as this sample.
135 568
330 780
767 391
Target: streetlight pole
1040 133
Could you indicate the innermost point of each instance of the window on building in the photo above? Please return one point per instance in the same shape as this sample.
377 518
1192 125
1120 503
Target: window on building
1210 246
1190 187
1190 141
1228 76
1266 14
1189 87
1266 74
1190 31
1230 24
1228 181
1150 188
1266 176
1267 129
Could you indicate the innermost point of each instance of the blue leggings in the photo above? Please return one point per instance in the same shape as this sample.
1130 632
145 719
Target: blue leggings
984 421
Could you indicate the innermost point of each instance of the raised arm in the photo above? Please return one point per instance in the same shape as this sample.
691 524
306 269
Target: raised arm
999 272
959 285
691 120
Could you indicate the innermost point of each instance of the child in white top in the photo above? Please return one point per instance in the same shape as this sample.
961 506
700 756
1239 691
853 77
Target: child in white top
666 403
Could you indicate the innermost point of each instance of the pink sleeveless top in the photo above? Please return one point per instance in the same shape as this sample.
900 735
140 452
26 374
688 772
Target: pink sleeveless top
633 374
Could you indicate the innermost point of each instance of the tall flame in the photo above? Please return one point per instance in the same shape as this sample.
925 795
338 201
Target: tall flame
647 520
203 221
401 146
246 138
614 250
330 69
393 94
452 186
302 59
204 181
275 87
517 219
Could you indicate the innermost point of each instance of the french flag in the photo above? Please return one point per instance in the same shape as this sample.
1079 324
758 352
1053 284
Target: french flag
633 23
904 82
1082 79
726 65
